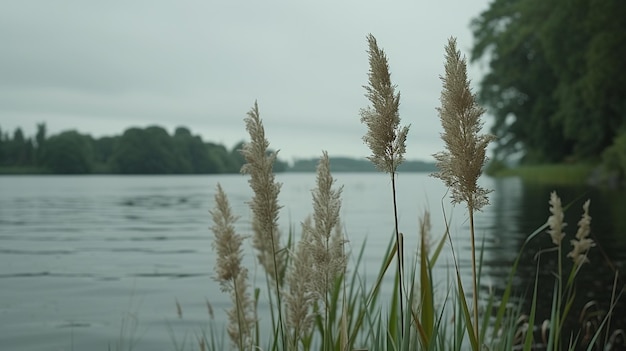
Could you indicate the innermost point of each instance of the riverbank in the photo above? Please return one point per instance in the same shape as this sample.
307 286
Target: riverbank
557 174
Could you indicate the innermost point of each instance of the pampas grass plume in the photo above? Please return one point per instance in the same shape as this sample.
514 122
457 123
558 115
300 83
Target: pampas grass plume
460 165
233 278
264 204
385 138
555 221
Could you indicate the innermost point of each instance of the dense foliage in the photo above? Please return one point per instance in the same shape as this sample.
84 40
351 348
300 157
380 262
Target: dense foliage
150 150
556 82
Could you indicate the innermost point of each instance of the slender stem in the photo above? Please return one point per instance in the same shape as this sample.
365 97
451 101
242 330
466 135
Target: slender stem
558 316
240 311
399 253
474 276
277 283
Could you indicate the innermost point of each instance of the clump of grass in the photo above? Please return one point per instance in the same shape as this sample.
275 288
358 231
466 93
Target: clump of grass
319 307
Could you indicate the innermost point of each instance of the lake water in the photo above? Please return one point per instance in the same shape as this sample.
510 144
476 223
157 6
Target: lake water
100 262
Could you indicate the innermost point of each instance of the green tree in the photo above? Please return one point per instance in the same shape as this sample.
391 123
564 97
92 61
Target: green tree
40 143
69 153
237 157
103 151
145 151
221 159
555 83
18 150
2 148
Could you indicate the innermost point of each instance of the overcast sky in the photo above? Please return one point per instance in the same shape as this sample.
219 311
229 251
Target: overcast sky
100 67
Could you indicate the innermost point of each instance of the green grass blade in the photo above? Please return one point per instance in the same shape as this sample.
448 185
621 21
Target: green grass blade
528 340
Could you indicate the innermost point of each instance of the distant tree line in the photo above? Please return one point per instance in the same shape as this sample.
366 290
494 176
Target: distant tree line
150 150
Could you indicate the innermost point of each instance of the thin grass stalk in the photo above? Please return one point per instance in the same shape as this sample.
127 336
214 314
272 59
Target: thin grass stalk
470 207
558 321
606 335
399 252
464 310
426 285
528 340
240 311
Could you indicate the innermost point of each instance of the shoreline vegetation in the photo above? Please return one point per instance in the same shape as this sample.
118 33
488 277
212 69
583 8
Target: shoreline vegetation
556 174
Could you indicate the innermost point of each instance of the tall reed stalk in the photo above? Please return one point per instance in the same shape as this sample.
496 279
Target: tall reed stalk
264 205
461 164
385 137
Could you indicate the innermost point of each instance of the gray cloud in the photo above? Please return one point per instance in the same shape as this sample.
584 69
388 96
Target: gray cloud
100 67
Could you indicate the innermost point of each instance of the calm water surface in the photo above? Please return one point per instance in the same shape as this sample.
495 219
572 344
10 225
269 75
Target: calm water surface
93 262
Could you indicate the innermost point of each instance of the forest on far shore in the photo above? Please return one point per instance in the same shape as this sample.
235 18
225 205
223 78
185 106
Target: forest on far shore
150 150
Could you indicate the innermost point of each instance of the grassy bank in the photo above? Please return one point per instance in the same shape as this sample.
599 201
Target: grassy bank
23 170
557 174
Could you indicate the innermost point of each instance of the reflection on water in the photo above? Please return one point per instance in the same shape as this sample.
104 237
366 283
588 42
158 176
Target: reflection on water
80 255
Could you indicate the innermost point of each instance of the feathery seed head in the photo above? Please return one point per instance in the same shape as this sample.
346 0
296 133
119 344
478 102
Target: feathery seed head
461 164
324 246
326 201
299 297
264 204
227 243
231 275
555 221
384 136
582 243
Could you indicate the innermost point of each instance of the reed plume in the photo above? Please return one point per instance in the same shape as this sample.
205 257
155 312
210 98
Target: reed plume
233 278
299 298
385 138
582 243
324 241
264 204
555 221
460 165
325 244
